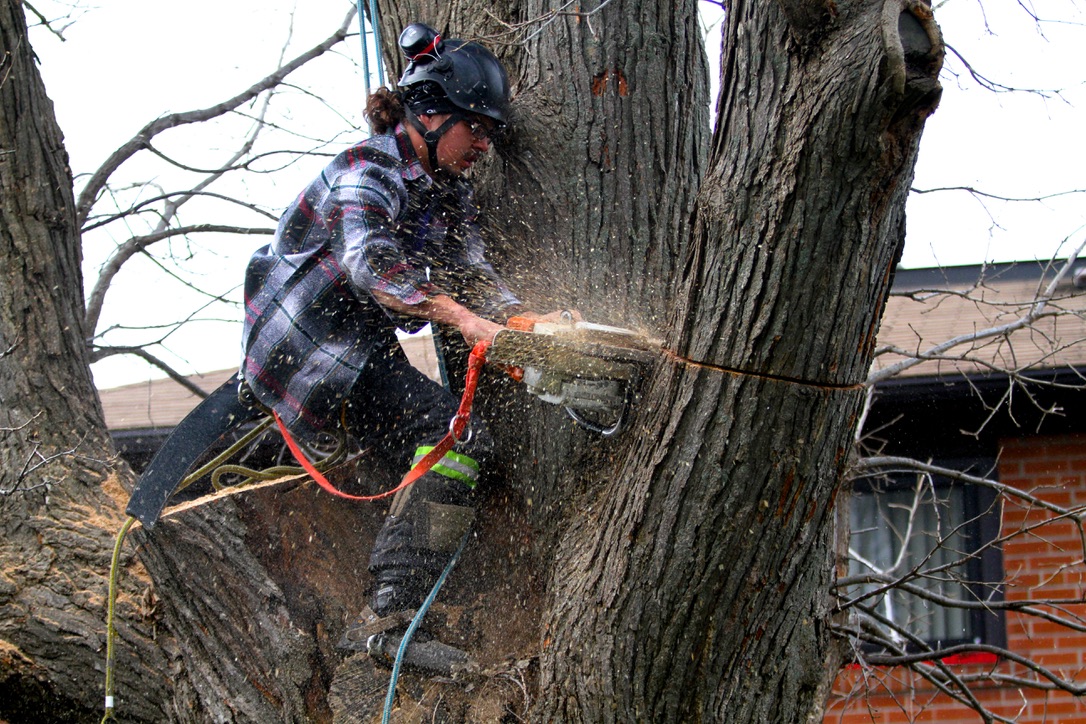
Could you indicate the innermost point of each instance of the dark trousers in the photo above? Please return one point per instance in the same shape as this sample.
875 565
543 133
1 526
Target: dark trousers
394 409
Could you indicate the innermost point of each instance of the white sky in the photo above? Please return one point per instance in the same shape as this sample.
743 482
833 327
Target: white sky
126 62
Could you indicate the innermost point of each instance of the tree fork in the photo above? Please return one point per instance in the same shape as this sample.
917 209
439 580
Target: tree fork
697 588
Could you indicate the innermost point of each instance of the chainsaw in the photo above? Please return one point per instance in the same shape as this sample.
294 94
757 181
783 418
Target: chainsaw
591 370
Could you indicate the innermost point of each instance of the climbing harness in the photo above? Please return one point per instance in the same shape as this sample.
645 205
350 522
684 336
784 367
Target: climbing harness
458 432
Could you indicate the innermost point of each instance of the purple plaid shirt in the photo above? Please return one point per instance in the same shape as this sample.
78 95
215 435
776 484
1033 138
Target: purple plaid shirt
372 220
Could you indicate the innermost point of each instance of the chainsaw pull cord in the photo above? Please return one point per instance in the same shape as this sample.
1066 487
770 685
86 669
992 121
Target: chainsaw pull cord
457 426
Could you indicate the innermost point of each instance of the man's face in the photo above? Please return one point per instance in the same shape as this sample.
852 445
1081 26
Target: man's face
463 144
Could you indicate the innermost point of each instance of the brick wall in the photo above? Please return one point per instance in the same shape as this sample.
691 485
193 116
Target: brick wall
1047 562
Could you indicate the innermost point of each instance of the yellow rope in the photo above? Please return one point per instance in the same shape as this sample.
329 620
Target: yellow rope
217 469
225 455
111 631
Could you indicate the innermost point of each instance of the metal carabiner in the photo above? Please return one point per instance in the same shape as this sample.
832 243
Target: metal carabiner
468 429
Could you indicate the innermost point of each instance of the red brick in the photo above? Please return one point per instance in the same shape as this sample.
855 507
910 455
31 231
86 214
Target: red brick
1058 659
1044 564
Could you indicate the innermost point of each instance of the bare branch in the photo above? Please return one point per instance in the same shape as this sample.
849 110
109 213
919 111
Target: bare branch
154 361
997 197
137 245
996 87
940 351
36 461
137 208
869 465
100 177
931 668
44 21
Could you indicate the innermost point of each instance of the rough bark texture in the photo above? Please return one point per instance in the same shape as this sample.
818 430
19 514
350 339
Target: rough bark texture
59 507
695 587
256 587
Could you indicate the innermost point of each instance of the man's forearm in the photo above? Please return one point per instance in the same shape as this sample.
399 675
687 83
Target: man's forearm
443 309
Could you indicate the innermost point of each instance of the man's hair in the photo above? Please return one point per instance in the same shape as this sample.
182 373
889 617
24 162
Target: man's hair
384 110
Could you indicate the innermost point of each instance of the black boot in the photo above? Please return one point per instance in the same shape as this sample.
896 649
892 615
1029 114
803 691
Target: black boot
399 589
421 533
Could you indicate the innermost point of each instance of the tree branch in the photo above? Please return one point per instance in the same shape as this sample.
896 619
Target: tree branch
98 180
154 361
1036 310
136 245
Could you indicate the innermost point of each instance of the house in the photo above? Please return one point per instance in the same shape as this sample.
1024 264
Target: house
1007 407
981 560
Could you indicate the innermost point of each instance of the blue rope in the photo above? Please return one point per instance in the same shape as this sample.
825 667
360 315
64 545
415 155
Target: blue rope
377 42
365 46
365 50
415 622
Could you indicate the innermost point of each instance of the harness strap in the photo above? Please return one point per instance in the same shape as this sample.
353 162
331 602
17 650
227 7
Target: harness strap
432 137
457 426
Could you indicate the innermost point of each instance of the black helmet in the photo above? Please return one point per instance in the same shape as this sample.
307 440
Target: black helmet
472 78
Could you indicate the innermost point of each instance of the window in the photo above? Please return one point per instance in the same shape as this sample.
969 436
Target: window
936 534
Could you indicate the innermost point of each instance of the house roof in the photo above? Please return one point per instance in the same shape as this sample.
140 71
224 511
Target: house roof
971 304
927 307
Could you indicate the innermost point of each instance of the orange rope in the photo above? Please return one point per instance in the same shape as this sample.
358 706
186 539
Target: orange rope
457 425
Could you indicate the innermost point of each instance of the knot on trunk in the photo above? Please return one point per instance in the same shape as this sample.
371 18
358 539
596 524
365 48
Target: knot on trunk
914 54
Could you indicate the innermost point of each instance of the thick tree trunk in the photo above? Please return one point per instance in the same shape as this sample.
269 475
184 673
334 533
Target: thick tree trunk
696 587
59 504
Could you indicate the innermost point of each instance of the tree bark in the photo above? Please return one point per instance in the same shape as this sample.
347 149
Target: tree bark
695 587
60 488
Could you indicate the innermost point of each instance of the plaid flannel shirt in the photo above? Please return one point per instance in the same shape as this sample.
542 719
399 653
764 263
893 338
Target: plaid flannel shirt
372 220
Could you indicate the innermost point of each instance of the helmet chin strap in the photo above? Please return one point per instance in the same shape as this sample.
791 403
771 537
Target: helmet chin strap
432 137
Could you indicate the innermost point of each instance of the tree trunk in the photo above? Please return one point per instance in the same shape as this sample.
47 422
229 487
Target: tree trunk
695 584
60 494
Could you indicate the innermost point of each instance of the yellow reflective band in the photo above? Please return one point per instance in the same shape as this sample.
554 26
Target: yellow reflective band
453 465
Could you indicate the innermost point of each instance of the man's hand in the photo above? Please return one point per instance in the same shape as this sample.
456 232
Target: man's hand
476 329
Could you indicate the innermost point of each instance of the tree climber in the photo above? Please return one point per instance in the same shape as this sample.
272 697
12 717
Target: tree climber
385 238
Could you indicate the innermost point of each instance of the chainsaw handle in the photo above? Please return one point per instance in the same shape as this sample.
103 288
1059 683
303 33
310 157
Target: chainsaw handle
521 324
611 430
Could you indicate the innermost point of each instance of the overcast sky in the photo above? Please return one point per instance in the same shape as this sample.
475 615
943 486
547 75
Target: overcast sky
126 62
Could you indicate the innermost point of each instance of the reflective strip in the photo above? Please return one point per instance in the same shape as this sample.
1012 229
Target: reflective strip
453 465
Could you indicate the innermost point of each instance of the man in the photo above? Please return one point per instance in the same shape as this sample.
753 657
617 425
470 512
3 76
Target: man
386 238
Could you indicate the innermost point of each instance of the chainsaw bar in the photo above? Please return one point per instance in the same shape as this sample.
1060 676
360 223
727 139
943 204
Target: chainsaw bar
591 370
